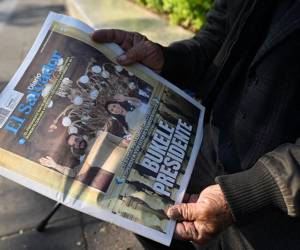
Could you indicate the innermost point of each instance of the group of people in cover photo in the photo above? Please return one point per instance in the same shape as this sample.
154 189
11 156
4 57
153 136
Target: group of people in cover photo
105 99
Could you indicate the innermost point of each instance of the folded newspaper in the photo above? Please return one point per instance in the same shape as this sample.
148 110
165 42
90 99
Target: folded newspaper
118 143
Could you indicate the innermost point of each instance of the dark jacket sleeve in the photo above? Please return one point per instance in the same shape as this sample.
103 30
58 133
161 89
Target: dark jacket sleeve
186 61
274 181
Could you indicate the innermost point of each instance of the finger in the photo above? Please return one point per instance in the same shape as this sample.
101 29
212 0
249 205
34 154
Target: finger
127 42
204 234
184 211
187 231
110 36
193 198
136 54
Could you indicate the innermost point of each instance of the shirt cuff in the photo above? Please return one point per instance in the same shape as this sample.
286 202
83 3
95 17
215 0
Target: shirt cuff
251 190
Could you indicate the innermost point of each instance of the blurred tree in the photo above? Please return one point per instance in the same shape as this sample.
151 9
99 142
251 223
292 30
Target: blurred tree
187 13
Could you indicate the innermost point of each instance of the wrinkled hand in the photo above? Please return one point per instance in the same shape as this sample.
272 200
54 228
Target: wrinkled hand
203 217
136 46
48 162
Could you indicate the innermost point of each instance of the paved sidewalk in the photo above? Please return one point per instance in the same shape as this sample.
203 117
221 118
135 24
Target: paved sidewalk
123 14
21 209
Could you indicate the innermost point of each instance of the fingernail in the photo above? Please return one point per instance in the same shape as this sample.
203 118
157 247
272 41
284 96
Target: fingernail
174 213
122 57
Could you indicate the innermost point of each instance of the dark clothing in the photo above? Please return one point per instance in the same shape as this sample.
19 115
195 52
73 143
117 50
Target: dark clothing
234 84
242 106
244 64
260 233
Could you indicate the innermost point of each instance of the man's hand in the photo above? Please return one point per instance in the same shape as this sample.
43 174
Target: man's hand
203 217
137 47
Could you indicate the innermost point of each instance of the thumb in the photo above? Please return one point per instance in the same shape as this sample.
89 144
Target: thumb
109 36
136 54
184 211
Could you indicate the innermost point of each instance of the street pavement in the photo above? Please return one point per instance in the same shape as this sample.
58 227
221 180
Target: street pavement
20 208
122 14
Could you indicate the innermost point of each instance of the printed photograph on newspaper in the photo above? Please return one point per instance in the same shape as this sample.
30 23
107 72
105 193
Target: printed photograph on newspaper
118 143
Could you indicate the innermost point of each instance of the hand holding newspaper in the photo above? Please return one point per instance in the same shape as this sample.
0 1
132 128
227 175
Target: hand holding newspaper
118 143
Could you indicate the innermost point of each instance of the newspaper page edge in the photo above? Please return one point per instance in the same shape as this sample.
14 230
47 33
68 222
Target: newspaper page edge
77 204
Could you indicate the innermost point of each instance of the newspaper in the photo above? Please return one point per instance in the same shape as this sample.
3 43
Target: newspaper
118 143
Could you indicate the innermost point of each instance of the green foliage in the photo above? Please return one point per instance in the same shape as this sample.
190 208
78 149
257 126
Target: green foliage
188 13
156 5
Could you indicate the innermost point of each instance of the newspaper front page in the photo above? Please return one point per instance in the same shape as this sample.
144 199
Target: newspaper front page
118 143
